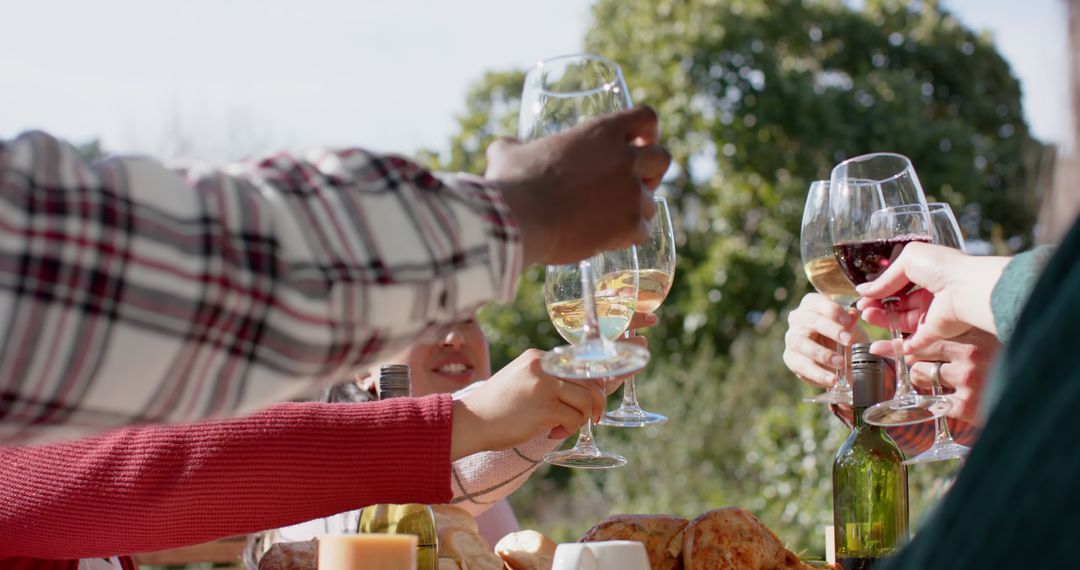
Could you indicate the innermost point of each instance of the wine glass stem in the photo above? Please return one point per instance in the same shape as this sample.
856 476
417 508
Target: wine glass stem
591 329
903 375
842 384
942 435
629 395
585 441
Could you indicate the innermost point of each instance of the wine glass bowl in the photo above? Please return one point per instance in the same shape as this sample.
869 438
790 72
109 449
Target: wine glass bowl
877 207
561 92
889 230
615 293
558 94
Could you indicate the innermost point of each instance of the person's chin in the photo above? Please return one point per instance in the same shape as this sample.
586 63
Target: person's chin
455 381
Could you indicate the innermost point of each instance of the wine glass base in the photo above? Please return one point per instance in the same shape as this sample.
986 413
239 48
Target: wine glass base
631 418
831 397
944 452
594 361
906 411
585 459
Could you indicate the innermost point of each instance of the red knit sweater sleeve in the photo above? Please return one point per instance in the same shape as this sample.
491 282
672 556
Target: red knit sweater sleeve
155 487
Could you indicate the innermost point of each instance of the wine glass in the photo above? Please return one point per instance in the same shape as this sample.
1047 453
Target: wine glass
868 233
616 290
946 233
558 94
656 271
824 272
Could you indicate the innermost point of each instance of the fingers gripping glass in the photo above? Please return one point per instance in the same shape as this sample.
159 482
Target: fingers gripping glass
616 294
656 271
878 207
824 272
558 94
946 233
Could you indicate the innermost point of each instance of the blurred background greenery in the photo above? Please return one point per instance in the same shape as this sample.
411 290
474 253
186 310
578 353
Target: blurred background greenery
757 99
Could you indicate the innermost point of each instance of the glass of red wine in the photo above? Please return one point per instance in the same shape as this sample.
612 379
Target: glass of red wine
947 233
878 207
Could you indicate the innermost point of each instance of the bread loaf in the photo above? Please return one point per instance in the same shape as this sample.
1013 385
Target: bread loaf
732 538
662 536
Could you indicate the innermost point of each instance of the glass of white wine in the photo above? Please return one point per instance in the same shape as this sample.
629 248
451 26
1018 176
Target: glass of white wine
824 272
615 286
656 271
558 94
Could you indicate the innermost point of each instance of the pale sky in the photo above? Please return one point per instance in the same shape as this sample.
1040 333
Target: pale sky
230 76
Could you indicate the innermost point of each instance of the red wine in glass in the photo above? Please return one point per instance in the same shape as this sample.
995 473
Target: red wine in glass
864 261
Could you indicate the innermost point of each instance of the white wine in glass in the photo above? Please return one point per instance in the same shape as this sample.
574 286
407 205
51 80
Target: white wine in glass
828 279
615 302
653 288
656 271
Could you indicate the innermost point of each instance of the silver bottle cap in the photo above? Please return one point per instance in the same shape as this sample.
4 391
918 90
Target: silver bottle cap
394 381
867 376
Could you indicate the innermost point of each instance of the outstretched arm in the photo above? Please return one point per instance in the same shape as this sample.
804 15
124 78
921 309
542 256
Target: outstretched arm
130 293
155 487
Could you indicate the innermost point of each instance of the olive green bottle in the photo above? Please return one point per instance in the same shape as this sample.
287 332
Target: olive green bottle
870 489
417 519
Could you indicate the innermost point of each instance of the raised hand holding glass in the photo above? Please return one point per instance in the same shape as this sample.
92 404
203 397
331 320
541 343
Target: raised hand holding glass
560 93
946 233
869 231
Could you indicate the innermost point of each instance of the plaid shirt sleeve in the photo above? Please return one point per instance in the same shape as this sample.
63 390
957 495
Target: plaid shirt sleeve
130 293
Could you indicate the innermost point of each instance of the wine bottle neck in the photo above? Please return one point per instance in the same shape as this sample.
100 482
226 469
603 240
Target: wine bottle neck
857 421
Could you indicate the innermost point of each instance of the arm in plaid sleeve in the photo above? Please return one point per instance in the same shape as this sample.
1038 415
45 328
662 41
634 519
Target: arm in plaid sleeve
131 294
161 486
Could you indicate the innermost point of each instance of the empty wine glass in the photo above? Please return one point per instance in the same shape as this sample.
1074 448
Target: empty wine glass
656 271
868 233
616 289
558 94
946 233
824 272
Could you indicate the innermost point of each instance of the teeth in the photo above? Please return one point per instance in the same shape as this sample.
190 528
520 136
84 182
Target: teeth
454 368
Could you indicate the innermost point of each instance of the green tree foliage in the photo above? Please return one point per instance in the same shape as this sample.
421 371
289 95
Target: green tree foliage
758 98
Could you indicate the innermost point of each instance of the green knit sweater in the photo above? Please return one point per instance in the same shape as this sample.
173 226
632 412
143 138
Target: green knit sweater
1016 503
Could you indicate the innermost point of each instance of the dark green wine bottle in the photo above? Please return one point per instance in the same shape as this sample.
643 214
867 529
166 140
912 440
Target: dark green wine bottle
870 489
417 519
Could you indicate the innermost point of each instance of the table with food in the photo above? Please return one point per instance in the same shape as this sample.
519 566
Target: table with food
855 225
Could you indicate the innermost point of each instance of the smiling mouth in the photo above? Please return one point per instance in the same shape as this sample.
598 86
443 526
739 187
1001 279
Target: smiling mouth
453 369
